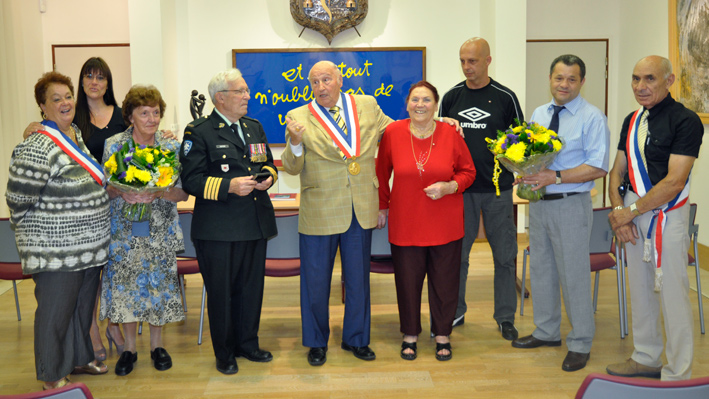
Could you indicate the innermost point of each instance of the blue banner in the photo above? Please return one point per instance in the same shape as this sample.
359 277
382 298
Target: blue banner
278 79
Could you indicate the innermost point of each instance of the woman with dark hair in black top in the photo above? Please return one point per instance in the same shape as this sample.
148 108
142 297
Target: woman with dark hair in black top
97 112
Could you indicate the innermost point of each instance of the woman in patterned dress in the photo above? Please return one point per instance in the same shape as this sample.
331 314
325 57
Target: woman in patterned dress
140 282
60 212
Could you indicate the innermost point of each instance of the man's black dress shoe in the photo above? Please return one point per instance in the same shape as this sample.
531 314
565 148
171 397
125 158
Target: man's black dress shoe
125 363
529 342
360 352
509 332
317 357
227 366
575 361
257 355
161 359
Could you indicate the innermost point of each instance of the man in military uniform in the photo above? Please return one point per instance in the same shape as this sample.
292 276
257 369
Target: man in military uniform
233 216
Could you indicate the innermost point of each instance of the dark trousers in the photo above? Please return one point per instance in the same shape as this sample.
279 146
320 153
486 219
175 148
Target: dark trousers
442 265
233 273
317 258
65 303
501 232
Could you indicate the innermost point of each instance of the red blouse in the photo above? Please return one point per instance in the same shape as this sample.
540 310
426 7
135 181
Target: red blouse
415 219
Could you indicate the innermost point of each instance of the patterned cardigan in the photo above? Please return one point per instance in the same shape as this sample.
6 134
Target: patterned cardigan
59 212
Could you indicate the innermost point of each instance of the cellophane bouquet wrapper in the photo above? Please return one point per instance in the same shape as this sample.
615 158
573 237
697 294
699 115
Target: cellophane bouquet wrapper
525 149
141 169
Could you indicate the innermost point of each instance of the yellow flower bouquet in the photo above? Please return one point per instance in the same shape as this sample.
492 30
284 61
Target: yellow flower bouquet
140 169
524 149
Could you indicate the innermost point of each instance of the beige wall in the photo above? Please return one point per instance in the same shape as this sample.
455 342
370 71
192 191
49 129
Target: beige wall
179 44
635 28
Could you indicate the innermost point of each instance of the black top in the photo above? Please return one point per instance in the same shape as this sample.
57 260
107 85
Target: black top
211 155
672 129
482 112
98 136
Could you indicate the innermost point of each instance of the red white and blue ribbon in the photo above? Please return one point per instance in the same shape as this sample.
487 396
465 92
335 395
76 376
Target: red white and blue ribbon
640 179
70 148
349 144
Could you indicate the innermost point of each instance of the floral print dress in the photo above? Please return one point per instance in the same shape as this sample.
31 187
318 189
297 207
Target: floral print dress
140 281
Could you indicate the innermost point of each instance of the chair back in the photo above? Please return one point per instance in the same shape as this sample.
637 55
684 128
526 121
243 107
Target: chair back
8 248
602 386
186 223
75 390
380 242
286 245
693 226
601 232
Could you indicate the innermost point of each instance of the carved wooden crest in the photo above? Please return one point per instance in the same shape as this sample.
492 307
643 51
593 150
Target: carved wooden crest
328 17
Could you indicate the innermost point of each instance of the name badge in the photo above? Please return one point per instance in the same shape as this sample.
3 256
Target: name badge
222 145
141 229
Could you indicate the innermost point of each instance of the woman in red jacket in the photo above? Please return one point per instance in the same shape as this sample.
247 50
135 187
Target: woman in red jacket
432 167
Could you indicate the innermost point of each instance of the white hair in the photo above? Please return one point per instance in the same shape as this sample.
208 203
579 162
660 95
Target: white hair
220 82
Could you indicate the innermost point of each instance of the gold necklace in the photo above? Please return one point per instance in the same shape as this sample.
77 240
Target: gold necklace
422 163
427 131
73 134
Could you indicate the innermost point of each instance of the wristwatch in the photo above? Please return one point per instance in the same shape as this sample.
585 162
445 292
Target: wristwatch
558 177
634 209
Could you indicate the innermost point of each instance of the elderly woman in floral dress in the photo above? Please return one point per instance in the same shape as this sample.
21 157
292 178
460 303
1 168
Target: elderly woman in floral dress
140 282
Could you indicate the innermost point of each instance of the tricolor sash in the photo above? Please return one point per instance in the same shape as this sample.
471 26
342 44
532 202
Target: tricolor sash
640 179
349 144
73 150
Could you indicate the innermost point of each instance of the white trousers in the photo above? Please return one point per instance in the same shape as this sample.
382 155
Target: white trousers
673 298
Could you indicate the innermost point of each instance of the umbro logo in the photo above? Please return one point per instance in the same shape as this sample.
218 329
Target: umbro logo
474 114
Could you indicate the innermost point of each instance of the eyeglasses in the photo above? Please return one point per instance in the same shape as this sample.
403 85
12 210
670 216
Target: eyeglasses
98 77
239 92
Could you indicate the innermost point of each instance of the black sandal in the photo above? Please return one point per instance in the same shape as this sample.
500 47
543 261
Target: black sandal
440 347
408 345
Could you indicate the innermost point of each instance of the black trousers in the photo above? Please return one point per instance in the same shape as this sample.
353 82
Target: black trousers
233 273
65 304
442 265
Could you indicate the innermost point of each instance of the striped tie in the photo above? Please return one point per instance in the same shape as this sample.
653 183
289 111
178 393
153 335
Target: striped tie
642 136
335 111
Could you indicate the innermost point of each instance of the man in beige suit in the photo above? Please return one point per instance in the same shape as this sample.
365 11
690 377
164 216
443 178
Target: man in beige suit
332 143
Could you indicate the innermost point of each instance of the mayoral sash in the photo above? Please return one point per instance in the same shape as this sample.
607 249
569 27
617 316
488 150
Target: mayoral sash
70 148
640 179
349 144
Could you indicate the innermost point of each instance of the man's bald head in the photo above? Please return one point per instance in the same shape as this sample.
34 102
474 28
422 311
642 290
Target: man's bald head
651 81
474 60
480 44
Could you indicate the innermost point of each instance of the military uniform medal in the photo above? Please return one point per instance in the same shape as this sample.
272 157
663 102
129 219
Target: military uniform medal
258 152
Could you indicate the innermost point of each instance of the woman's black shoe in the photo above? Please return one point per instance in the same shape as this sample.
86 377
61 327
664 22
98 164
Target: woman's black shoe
161 359
440 347
408 345
125 363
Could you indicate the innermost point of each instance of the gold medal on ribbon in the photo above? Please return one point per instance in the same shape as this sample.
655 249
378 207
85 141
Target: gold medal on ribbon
354 168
